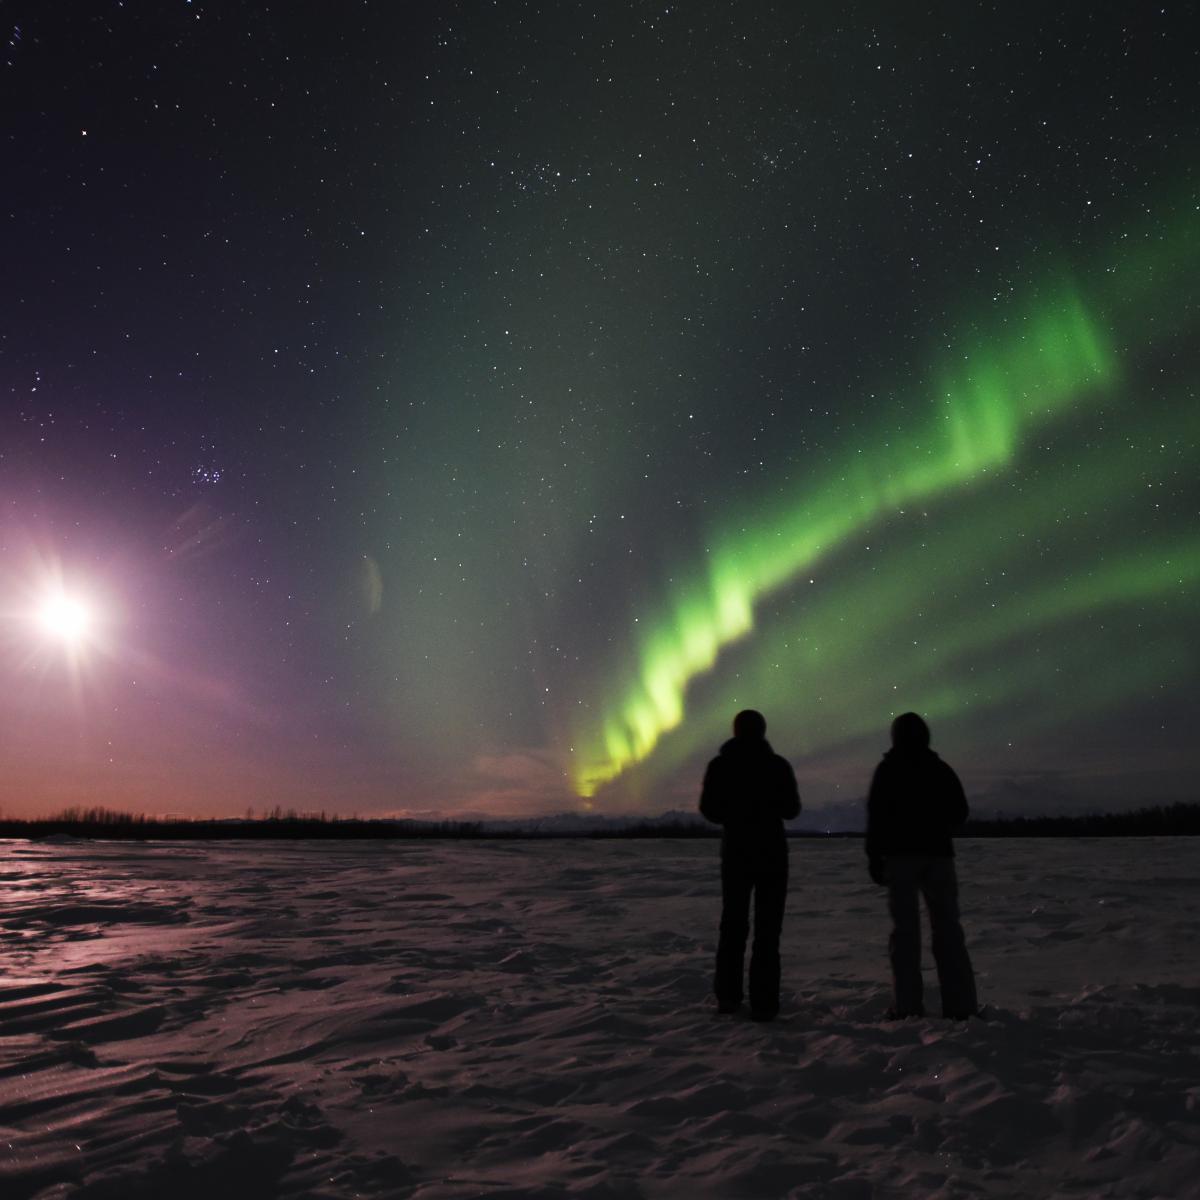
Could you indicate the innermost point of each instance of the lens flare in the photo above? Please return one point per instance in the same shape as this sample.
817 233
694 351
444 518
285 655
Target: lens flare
66 619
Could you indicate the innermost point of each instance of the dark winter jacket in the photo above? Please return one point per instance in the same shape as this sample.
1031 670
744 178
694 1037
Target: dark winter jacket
750 791
915 805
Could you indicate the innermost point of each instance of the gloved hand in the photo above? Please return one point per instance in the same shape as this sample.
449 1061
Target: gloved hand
875 866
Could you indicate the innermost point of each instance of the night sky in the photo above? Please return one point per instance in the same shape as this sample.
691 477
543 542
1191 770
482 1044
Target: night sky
467 408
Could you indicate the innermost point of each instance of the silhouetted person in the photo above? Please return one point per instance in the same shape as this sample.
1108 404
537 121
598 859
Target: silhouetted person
915 805
750 791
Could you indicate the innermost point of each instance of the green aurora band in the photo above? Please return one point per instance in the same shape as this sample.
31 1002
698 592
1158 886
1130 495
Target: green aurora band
942 621
998 387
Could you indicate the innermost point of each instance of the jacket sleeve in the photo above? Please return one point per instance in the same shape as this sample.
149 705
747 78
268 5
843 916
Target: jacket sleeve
789 792
875 803
954 800
712 794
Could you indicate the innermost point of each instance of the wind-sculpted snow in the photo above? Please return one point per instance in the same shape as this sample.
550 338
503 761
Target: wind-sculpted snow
533 1020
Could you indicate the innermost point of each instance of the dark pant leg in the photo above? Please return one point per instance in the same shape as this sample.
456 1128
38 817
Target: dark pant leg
736 884
904 945
770 895
956 977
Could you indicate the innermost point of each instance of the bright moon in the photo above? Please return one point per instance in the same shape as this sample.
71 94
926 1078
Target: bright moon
65 619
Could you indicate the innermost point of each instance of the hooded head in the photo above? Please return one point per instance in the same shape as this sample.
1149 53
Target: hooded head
909 732
750 725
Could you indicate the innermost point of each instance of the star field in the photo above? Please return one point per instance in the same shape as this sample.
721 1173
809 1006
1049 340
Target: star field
469 407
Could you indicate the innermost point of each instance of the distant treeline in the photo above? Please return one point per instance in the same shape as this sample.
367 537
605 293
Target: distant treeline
1171 819
107 824
279 823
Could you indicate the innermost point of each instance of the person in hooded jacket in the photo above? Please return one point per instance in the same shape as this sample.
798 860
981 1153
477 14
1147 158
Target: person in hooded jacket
750 791
915 804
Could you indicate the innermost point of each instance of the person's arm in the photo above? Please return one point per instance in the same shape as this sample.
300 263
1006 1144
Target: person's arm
712 795
954 801
873 841
789 792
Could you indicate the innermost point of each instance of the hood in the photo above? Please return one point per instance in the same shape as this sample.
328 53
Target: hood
737 747
909 753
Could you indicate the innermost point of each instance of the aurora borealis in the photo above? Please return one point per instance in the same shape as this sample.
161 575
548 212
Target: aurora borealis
976 425
987 398
468 410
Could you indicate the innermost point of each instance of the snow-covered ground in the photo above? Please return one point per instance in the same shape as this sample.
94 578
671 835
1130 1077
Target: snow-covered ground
533 1020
